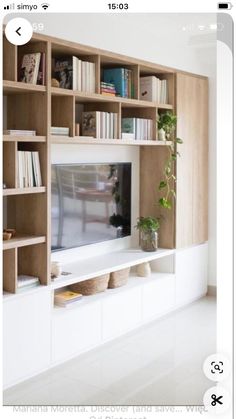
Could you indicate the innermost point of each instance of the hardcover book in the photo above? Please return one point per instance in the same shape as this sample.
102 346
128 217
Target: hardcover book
30 68
63 72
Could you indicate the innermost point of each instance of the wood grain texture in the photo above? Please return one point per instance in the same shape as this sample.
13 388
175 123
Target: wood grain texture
151 173
36 254
10 60
63 113
10 270
10 164
192 166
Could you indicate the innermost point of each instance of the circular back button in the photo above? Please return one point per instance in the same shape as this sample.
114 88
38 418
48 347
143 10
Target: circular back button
18 31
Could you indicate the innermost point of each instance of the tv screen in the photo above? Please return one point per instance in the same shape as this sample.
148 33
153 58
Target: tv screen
91 203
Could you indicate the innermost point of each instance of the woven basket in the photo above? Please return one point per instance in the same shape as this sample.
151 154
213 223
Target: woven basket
119 278
91 286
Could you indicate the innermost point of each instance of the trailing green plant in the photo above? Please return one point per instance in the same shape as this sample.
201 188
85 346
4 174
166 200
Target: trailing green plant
148 224
168 122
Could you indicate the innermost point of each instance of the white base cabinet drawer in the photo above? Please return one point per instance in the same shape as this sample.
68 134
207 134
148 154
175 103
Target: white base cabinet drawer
191 273
26 336
75 330
121 313
158 296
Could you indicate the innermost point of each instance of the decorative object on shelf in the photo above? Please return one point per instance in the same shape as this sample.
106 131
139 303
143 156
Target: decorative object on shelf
4 186
161 135
148 227
143 269
91 286
56 270
66 298
77 130
8 233
119 278
55 83
167 121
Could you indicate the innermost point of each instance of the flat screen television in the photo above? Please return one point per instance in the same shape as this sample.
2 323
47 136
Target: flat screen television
91 203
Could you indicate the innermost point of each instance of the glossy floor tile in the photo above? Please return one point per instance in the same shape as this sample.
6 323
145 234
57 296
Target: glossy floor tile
160 363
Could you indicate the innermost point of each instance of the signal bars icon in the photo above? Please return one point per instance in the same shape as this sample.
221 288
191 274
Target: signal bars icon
45 6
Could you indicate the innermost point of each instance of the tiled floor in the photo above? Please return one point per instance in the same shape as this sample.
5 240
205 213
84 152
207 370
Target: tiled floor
159 364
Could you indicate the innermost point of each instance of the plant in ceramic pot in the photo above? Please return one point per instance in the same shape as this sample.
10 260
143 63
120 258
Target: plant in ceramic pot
148 227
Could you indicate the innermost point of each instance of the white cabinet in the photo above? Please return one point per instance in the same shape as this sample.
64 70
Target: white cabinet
158 296
191 273
75 330
26 335
121 312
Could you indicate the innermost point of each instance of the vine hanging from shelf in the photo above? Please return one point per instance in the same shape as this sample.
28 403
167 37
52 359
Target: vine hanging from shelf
167 121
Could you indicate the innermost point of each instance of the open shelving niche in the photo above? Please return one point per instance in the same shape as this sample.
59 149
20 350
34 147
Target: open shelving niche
26 206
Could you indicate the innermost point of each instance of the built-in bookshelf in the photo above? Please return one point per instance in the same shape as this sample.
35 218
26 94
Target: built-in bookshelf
45 104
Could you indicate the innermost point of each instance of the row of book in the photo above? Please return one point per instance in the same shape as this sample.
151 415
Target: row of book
66 298
153 89
33 68
107 89
26 281
100 124
64 131
18 132
122 79
137 129
29 173
73 73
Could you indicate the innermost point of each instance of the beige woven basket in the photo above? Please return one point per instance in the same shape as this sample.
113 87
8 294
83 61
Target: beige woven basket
91 286
119 278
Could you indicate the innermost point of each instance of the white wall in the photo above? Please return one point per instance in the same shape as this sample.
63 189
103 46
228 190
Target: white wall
174 40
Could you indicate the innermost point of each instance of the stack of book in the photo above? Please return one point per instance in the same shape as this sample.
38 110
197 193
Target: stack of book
29 173
26 281
122 78
73 73
153 89
137 129
66 298
60 131
108 89
19 132
33 68
99 124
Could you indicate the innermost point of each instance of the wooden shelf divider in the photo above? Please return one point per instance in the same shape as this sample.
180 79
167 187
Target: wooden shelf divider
22 240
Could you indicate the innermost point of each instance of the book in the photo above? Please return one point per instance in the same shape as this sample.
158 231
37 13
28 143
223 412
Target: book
26 280
91 124
116 76
136 128
29 68
67 298
60 131
18 132
42 70
153 89
63 72
29 172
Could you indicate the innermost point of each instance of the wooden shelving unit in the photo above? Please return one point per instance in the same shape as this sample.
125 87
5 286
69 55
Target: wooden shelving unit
36 107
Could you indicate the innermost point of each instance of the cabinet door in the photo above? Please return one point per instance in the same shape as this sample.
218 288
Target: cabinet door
75 329
191 274
26 336
121 313
158 296
192 166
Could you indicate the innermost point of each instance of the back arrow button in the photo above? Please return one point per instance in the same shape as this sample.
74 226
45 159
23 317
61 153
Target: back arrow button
17 31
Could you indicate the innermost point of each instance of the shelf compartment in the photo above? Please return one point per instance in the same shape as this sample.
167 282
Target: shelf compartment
17 87
23 191
24 138
37 255
10 270
145 113
95 141
63 113
96 266
21 240
10 164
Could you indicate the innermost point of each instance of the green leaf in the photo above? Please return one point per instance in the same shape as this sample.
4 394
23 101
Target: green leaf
174 157
162 185
165 203
179 141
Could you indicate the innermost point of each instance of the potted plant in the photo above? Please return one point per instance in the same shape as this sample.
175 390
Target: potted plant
166 123
148 227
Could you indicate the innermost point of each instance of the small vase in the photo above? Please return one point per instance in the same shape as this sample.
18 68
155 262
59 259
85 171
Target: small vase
161 135
149 240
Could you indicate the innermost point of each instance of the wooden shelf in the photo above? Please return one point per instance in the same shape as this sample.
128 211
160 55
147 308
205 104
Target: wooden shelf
94 141
19 87
22 240
95 97
92 267
23 191
24 138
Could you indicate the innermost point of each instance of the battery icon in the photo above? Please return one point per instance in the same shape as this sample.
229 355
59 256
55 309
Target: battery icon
227 6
